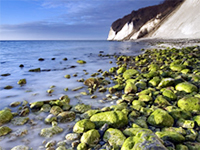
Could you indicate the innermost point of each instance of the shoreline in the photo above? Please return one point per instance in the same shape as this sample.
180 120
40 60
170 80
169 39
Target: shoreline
136 95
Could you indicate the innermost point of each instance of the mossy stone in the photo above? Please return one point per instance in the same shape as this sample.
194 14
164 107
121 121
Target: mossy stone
21 81
19 120
177 67
171 136
121 70
89 113
193 145
81 108
4 130
130 88
20 147
197 119
49 132
141 85
189 104
66 116
82 146
160 118
154 82
189 124
114 119
90 137
5 116
128 74
181 147
169 94
83 126
145 98
175 129
81 61
128 143
36 105
186 87
91 82
55 110
161 101
114 137
134 131
166 82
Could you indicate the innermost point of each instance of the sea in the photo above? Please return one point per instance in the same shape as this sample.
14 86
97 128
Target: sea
59 59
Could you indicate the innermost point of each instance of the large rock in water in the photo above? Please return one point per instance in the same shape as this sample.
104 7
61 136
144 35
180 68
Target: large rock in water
170 19
115 119
143 140
5 116
160 118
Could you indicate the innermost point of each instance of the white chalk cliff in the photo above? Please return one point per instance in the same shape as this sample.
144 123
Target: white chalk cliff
173 19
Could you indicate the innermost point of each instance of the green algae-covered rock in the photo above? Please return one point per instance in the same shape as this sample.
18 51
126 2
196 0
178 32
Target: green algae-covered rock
4 130
167 93
141 85
189 104
166 82
128 74
134 131
55 110
114 119
143 140
175 129
153 67
19 120
177 113
141 121
72 136
114 137
89 113
81 108
137 105
45 108
66 116
197 119
186 87
60 148
21 81
49 132
130 88
118 87
50 118
5 116
83 126
181 147
91 82
81 61
20 147
112 70
160 118
145 98
90 137
161 101
82 146
193 145
177 67
185 123
154 82
35 70
171 136
121 70
36 105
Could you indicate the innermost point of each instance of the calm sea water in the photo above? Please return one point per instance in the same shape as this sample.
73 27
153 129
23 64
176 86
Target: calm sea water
14 53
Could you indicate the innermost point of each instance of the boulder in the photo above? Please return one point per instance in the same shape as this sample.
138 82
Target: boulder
171 136
90 137
5 116
114 137
186 87
114 119
83 126
189 104
160 118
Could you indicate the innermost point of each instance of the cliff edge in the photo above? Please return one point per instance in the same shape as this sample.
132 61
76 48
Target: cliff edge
170 19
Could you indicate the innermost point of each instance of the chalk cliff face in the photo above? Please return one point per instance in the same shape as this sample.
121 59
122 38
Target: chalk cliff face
171 19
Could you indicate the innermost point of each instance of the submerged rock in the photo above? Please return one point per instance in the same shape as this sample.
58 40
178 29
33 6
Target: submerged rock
4 130
21 81
81 61
66 116
81 108
19 120
5 116
114 119
20 147
49 132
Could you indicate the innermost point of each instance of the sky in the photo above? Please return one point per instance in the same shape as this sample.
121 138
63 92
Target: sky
63 19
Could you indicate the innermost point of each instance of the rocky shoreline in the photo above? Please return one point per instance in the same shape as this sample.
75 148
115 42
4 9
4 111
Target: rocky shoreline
157 106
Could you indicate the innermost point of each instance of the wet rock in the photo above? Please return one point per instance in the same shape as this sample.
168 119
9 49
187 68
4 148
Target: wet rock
45 108
19 120
191 135
197 119
20 147
15 104
145 98
121 70
21 81
154 82
161 101
141 122
5 116
185 123
66 116
167 93
186 87
181 147
4 130
50 144
174 130
114 119
50 118
192 145
82 146
81 61
55 110
189 104
61 148
50 91
36 105
114 137
49 132
19 133
177 67
89 113
91 82
90 137
128 74
171 136
6 74
81 108
166 82
8 87
143 140
83 126
35 70
160 118
72 136
130 88
67 76
24 111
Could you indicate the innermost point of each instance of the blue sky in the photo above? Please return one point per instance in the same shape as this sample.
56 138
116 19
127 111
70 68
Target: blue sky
63 19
